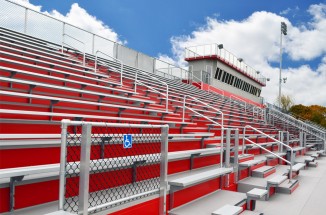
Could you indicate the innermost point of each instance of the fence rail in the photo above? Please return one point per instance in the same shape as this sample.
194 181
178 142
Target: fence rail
28 21
105 165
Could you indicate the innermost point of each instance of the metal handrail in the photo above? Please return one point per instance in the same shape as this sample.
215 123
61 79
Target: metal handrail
289 147
245 103
162 82
200 81
119 61
63 42
301 127
214 122
299 121
258 109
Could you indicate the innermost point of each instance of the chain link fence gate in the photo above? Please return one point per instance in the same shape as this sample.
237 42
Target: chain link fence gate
106 165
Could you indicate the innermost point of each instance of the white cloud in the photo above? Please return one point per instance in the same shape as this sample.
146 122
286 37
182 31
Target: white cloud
166 58
256 39
79 17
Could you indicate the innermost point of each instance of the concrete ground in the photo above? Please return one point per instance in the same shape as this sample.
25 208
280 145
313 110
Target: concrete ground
308 199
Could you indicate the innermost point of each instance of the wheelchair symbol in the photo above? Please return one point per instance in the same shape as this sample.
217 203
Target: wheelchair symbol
127 141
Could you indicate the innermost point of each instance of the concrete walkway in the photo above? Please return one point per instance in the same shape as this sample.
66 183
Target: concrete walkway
308 199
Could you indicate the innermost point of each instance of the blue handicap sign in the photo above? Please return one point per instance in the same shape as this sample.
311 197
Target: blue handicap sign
127 141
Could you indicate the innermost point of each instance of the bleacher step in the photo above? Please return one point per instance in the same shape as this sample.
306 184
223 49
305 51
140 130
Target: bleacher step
247 212
209 203
247 184
263 172
228 210
287 187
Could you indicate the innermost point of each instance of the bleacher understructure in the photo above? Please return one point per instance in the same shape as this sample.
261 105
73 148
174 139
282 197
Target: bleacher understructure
222 155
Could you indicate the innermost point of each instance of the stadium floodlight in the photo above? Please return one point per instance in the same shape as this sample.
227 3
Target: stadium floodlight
240 60
220 46
284 31
284 28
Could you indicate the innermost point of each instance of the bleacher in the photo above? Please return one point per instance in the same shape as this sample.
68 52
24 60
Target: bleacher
209 170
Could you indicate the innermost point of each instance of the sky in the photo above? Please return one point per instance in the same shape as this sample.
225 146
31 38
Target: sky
248 28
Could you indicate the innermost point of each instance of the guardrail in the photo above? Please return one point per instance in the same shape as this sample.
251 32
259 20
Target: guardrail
296 123
214 122
255 129
82 164
209 50
162 82
117 60
64 43
239 99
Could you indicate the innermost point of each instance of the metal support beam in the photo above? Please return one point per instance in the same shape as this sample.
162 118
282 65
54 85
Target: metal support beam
12 186
192 157
163 169
84 169
236 156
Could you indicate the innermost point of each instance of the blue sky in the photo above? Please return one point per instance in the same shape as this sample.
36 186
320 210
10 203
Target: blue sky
249 29
149 25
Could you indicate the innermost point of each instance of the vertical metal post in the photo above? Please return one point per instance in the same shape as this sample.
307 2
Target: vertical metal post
201 79
25 21
227 155
184 109
280 138
93 44
324 142
236 155
301 138
222 147
84 168
304 139
63 36
136 76
228 148
63 152
280 80
288 138
163 169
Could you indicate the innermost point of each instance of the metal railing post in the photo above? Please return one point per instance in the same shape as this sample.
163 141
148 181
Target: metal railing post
25 21
85 154
62 174
163 169
236 155
276 155
117 60
227 148
280 138
183 108
84 54
63 36
135 83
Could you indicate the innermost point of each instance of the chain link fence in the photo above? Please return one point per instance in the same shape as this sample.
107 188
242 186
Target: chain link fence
105 165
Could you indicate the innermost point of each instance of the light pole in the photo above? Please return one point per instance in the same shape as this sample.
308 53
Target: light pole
283 31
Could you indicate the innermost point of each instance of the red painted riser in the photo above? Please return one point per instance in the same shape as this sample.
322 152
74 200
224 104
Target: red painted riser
11 158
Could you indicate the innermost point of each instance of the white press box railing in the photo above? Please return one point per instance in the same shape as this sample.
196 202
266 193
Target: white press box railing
210 50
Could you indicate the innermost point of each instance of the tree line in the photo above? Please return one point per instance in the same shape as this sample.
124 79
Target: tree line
314 113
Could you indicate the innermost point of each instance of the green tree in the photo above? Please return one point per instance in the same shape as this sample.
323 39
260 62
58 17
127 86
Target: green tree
314 113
